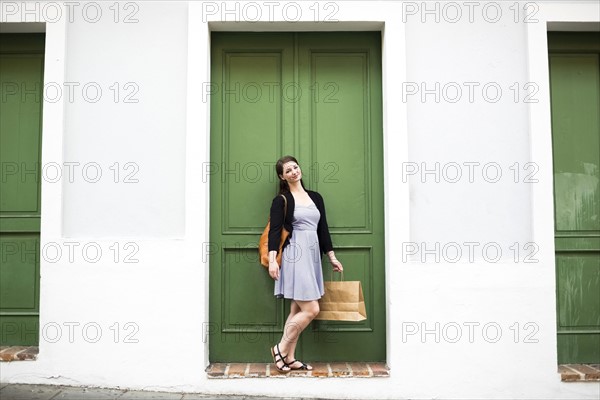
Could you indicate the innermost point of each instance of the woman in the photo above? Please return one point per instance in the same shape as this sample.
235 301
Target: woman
300 277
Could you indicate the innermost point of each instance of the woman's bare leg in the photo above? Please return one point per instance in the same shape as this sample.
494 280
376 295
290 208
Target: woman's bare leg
294 309
286 345
301 314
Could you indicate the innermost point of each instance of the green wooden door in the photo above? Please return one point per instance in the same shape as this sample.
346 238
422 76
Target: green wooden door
21 82
575 89
316 96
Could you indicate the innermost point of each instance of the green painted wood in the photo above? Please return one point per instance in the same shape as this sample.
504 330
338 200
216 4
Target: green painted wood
17 223
578 277
20 256
575 90
23 43
21 82
343 116
20 330
308 95
250 120
573 42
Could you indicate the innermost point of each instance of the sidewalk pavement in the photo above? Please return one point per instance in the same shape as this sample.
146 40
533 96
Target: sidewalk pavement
15 391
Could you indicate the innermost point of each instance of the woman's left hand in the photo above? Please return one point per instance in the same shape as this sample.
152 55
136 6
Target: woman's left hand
337 266
335 263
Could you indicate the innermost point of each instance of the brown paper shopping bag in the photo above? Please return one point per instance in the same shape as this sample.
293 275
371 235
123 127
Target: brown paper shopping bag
343 301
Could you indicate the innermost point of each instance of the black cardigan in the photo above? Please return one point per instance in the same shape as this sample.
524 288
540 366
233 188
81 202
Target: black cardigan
277 222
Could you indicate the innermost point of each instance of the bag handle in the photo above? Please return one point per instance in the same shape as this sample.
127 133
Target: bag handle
331 275
284 207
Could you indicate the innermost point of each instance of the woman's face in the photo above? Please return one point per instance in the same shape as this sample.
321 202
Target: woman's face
291 172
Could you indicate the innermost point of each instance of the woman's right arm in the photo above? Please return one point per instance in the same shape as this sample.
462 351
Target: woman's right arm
276 226
273 266
276 223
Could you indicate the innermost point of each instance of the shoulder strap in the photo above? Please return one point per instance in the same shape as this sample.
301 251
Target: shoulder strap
284 206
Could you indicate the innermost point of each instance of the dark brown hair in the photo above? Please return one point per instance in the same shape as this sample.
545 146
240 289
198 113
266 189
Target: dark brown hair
283 185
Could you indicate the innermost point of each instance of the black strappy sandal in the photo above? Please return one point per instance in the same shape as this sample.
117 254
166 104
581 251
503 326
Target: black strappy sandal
303 367
277 358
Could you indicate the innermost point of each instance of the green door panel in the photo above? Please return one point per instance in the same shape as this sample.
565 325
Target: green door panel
21 82
308 95
20 126
575 90
578 282
343 143
20 258
575 124
248 116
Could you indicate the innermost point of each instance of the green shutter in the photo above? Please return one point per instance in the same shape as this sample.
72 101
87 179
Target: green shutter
21 83
575 90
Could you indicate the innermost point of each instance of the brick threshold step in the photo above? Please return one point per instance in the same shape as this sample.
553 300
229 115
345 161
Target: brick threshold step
568 372
579 372
18 353
320 370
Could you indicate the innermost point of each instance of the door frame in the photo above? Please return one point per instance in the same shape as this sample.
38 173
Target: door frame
199 121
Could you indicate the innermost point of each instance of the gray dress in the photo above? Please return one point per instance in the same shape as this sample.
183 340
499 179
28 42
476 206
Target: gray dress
301 276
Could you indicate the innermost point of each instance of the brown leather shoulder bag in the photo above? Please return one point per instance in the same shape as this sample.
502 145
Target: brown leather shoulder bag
263 244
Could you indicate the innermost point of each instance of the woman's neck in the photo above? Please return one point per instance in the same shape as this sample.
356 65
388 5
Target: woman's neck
296 187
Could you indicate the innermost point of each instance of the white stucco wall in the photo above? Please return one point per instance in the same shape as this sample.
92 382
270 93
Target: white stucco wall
161 220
